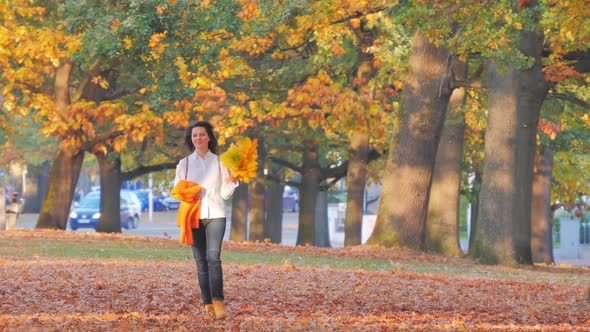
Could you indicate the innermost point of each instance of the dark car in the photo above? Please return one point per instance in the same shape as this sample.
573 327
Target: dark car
171 203
143 195
86 214
290 199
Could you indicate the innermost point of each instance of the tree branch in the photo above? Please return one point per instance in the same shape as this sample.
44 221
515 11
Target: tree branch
285 163
326 186
582 66
281 181
340 170
476 85
87 77
570 98
119 94
101 138
141 170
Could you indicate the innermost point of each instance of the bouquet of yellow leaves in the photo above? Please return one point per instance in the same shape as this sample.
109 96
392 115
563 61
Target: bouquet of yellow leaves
241 159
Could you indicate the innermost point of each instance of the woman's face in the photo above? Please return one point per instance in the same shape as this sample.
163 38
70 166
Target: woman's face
200 139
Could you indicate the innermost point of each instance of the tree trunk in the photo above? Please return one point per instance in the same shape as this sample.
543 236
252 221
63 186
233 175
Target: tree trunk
531 93
356 179
442 225
310 187
257 190
273 228
474 209
239 214
63 177
38 178
541 213
514 103
404 201
358 151
65 169
322 229
493 242
2 204
110 195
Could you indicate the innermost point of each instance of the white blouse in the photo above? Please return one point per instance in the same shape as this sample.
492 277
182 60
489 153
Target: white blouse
206 172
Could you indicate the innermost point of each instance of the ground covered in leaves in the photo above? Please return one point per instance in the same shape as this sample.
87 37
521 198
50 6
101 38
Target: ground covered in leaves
402 290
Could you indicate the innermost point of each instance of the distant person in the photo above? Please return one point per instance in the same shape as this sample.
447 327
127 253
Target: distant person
12 211
207 183
78 195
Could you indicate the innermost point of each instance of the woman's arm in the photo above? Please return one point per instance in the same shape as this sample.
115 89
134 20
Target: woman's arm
228 183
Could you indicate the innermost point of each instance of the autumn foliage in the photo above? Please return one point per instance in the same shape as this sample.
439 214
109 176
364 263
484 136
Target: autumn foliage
241 159
45 293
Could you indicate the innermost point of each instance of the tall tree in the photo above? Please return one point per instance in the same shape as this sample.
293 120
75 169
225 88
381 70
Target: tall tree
541 216
310 187
67 164
239 214
442 225
514 102
36 83
402 210
258 196
359 145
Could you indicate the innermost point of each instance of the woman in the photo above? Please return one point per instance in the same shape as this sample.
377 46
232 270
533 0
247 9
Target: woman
203 167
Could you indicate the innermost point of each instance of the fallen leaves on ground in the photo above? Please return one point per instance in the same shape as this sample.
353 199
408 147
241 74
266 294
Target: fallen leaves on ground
52 294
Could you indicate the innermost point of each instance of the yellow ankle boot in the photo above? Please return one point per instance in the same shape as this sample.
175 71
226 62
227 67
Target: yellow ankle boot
210 311
220 312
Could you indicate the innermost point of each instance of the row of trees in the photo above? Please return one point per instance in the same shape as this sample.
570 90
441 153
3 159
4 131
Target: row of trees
436 98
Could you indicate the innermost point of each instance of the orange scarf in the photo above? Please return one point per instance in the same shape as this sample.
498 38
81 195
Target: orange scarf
189 211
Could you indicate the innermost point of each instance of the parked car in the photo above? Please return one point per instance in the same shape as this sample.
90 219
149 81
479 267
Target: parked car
87 213
171 203
290 199
143 195
134 203
129 202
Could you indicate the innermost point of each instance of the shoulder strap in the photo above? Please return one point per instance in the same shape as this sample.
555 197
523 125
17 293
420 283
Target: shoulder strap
186 168
220 176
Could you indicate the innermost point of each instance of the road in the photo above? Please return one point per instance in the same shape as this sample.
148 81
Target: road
163 224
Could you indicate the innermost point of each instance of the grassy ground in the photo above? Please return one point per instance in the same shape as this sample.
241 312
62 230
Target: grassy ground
68 245
55 281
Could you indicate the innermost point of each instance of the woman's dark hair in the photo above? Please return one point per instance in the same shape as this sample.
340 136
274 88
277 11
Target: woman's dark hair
188 142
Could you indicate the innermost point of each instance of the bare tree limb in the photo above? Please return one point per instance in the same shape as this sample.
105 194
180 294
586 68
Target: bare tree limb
285 163
141 170
570 98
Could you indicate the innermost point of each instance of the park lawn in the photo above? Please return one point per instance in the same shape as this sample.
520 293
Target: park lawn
55 280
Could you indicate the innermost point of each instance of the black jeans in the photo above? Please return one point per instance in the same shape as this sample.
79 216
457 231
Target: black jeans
207 252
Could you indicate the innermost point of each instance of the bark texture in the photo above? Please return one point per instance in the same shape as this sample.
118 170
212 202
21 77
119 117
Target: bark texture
66 166
239 214
257 190
404 202
38 177
532 91
514 101
110 193
442 225
493 238
322 229
310 187
541 212
356 179
273 227
358 152
474 208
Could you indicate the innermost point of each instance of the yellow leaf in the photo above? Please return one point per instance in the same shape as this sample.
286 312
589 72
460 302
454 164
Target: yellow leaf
241 159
